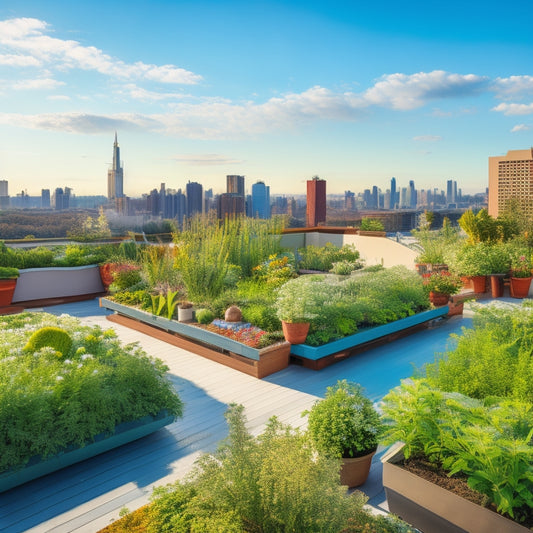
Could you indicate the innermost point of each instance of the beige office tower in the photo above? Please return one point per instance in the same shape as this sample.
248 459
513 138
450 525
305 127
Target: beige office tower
511 178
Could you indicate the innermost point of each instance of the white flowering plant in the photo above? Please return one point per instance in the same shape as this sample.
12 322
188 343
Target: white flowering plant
50 400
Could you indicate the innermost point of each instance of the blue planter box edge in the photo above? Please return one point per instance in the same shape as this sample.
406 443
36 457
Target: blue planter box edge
124 433
364 336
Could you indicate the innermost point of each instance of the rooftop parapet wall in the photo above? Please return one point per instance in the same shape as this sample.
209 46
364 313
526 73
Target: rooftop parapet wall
374 250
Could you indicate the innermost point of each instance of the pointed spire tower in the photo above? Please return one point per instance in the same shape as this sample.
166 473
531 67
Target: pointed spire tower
115 175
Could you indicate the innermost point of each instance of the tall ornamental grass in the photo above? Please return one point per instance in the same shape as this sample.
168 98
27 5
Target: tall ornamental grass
208 250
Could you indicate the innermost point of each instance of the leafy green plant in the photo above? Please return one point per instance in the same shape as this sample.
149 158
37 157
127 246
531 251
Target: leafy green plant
344 423
158 304
262 315
125 275
371 224
322 257
9 273
245 483
294 301
205 316
472 260
493 358
48 403
487 441
171 303
344 268
443 282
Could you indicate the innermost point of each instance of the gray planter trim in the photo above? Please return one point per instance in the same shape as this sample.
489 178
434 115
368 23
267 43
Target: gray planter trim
186 330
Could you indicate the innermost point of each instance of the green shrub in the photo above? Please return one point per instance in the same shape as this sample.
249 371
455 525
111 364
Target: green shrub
47 403
205 316
344 268
245 482
55 338
262 315
125 276
132 297
322 257
9 273
372 224
491 359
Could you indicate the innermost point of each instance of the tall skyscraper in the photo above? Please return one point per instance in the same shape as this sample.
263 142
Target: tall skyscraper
413 200
316 202
115 175
195 198
260 200
393 200
451 192
4 195
235 185
511 178
45 198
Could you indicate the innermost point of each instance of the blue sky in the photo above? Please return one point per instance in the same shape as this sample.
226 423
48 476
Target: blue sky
356 92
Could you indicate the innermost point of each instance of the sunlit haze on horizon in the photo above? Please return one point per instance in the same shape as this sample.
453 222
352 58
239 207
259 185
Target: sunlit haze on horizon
275 91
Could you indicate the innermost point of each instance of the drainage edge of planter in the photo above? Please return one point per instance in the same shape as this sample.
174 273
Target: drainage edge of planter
124 433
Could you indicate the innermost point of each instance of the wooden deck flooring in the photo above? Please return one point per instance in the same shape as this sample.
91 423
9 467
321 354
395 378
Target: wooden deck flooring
88 496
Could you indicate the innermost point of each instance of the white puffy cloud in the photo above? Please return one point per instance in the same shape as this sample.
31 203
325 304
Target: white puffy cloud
514 109
427 138
409 91
18 60
28 36
37 84
513 86
520 127
138 93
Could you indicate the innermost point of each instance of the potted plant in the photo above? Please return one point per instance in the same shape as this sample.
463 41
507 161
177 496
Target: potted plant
441 285
185 312
8 282
500 264
472 261
345 425
520 276
294 305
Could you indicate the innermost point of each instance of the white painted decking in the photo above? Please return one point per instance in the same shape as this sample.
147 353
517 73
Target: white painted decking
88 496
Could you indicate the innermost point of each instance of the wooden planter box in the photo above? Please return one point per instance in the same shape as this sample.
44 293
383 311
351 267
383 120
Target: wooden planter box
252 361
433 509
124 433
318 357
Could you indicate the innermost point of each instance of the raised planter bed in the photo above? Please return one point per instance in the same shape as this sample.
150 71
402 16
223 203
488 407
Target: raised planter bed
319 357
124 433
58 282
433 509
252 361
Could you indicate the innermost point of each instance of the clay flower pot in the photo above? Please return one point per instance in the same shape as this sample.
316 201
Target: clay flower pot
295 332
520 287
438 299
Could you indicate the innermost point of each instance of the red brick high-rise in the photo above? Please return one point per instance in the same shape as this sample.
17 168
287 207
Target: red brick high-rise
316 202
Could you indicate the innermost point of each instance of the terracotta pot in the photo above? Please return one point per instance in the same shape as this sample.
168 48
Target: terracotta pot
496 285
438 299
355 470
106 275
520 287
479 284
295 332
467 282
7 289
455 308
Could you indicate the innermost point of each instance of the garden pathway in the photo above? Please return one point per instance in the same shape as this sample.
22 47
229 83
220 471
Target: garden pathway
88 496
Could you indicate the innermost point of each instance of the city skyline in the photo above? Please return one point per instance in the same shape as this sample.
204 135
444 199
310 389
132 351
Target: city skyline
274 91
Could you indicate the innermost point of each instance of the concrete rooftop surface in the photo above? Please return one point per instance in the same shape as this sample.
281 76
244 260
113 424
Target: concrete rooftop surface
89 495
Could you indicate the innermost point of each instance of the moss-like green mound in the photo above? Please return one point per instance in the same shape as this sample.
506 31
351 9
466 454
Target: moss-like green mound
56 338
